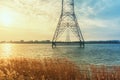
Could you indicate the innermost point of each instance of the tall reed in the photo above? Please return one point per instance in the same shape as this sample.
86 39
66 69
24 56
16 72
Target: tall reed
54 69
44 69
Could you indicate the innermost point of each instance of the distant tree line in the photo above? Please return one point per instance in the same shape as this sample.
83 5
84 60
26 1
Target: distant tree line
30 41
103 42
48 41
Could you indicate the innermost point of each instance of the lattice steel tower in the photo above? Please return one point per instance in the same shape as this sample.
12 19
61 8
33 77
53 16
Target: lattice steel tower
68 30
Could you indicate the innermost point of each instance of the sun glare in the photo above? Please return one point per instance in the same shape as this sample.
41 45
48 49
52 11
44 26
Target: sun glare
6 17
6 49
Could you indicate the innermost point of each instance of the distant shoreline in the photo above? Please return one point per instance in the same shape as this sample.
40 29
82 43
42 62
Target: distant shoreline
86 42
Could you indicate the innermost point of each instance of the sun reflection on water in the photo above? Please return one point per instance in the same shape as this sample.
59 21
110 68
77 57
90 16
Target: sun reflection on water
6 50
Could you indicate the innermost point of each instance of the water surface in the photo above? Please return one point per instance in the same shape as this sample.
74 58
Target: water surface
108 54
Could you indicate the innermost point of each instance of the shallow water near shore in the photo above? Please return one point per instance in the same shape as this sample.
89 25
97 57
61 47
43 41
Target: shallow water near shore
98 54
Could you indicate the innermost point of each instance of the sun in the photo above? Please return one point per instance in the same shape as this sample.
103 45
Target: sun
6 17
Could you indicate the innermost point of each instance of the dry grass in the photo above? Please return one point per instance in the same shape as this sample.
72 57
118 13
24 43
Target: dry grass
105 73
54 69
31 69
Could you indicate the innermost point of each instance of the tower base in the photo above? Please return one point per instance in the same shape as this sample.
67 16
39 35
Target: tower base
68 44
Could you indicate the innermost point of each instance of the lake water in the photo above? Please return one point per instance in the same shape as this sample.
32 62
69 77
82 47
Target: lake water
108 54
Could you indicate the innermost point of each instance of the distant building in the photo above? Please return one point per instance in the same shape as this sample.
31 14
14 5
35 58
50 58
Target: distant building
21 41
31 41
46 41
11 41
36 41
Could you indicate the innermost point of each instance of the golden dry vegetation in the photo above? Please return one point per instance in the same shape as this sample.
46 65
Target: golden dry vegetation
54 69
31 69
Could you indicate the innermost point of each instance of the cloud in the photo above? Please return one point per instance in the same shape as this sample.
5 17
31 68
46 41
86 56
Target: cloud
94 16
34 7
98 17
100 29
96 8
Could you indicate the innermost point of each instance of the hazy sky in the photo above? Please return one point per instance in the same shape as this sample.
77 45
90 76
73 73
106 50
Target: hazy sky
37 19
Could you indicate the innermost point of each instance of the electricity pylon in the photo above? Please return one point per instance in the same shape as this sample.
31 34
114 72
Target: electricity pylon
68 25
